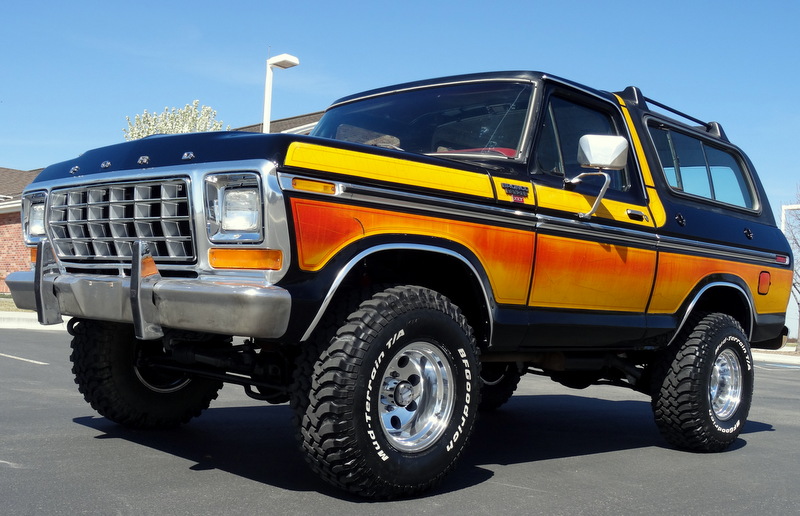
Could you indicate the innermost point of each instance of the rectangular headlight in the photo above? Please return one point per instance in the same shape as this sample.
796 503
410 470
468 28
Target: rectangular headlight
234 208
240 209
33 210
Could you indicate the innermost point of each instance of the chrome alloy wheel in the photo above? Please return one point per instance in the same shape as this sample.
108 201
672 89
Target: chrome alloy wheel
725 388
416 397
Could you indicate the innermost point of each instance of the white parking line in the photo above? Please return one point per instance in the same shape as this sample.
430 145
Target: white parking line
771 366
24 359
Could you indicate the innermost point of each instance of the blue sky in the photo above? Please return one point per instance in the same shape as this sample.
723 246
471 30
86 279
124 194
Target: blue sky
70 72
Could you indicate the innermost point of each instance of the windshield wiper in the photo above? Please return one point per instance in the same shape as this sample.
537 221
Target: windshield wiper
386 146
486 153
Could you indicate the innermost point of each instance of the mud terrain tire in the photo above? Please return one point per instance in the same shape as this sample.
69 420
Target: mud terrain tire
704 387
104 357
394 396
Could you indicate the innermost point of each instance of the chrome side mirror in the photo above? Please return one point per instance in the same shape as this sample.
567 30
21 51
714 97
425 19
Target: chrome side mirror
603 152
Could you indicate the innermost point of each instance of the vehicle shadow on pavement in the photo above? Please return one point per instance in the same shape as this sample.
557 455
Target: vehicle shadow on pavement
258 442
253 442
545 427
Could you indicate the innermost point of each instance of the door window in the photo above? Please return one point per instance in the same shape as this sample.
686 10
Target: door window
564 123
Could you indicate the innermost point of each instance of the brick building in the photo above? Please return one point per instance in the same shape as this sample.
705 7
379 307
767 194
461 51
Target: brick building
14 256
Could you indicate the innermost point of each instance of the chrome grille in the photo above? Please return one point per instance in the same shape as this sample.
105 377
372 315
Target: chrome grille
100 222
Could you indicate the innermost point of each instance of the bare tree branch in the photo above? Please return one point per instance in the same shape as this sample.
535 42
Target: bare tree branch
792 231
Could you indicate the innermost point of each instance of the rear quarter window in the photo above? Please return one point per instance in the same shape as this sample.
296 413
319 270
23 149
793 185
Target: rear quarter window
696 167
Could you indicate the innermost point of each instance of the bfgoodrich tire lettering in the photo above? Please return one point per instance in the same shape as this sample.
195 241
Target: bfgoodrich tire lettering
104 357
704 387
394 396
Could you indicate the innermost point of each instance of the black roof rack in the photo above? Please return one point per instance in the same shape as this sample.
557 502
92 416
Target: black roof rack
634 95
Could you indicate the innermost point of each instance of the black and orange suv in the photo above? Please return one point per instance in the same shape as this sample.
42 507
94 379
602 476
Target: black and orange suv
399 269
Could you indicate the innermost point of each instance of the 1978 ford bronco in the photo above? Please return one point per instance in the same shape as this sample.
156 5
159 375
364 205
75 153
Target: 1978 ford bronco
398 270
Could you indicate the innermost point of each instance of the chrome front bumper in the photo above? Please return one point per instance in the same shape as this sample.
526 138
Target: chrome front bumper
148 301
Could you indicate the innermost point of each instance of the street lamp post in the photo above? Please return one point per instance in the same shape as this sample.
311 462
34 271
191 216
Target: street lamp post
281 61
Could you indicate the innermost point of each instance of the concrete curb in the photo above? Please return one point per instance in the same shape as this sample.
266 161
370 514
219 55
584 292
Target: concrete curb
29 321
776 358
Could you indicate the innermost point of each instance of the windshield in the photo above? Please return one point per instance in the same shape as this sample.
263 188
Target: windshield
481 118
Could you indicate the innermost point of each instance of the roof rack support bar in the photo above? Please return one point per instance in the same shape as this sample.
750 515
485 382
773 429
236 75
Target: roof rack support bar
675 111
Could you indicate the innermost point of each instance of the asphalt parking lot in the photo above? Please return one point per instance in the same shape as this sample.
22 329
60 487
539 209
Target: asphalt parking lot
550 450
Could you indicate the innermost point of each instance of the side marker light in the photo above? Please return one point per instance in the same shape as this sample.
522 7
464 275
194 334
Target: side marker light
764 282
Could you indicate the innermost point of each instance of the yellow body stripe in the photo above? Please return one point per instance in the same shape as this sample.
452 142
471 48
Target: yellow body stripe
637 144
654 201
384 168
573 202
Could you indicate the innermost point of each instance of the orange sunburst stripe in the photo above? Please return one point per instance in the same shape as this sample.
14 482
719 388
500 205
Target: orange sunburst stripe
323 229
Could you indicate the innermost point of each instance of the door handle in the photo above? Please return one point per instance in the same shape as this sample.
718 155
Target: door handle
637 215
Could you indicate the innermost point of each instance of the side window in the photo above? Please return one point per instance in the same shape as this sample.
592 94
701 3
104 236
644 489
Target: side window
694 167
564 123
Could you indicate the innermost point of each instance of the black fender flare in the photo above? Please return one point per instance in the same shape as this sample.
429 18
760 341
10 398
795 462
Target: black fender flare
462 255
713 282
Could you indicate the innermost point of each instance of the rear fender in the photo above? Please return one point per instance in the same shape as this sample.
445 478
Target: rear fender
726 296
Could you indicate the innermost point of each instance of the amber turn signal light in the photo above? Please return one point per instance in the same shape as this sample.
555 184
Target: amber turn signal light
264 259
309 185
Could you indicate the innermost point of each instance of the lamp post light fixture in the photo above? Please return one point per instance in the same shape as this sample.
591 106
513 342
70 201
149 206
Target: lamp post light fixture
282 61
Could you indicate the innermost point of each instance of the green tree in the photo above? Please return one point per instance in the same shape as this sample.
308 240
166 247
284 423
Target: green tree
193 118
